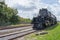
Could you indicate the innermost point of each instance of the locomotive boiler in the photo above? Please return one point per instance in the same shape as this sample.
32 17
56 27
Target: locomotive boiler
44 19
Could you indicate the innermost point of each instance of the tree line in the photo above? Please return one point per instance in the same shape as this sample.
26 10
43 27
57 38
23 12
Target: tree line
8 16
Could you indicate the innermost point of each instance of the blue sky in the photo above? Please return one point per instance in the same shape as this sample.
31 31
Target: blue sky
30 8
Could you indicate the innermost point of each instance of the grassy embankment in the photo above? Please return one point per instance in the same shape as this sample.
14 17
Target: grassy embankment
53 34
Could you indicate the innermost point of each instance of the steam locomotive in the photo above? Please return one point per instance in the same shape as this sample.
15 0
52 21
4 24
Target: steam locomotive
43 20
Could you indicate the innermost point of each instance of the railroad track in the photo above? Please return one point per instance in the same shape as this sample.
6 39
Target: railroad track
11 27
17 32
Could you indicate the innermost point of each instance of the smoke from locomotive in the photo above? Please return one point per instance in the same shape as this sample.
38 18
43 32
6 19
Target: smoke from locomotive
44 20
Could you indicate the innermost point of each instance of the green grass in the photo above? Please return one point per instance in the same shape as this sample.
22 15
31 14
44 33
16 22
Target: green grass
53 34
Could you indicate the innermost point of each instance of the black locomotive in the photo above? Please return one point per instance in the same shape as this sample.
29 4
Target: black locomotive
43 20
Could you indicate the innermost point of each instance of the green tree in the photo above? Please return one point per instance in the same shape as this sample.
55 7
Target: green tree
8 15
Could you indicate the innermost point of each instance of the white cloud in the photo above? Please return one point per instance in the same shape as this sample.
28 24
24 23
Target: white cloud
58 1
25 3
58 18
54 8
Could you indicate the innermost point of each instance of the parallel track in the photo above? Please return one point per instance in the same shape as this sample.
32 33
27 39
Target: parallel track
12 27
16 34
24 34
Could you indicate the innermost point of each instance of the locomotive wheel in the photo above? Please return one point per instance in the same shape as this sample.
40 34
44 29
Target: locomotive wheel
47 23
40 26
37 27
34 27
